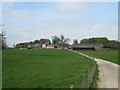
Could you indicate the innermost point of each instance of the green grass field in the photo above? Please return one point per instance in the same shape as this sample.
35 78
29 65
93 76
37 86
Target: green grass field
0 69
43 68
106 55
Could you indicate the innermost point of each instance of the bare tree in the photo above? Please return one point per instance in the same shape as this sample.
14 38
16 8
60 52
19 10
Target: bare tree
64 40
61 41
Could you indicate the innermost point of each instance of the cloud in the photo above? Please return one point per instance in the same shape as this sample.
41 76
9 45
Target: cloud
10 11
109 30
72 28
49 23
21 14
70 7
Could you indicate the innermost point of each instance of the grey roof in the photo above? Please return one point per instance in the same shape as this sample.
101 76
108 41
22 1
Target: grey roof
87 45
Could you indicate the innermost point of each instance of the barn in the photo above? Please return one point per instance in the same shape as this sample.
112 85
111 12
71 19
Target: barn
49 46
39 46
93 47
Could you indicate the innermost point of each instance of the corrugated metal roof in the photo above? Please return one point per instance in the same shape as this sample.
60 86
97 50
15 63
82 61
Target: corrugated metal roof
86 45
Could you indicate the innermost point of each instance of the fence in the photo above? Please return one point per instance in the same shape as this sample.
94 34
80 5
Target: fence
85 79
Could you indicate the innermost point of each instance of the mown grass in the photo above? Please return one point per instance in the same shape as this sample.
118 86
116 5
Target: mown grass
43 68
106 55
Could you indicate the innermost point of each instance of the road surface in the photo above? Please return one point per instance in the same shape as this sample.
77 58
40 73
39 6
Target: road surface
108 73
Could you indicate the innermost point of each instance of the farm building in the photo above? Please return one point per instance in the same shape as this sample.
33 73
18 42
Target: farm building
49 46
39 46
93 47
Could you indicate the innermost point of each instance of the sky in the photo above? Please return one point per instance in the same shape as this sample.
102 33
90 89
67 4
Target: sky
28 21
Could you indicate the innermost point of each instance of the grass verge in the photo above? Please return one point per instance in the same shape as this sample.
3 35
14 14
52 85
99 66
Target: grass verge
94 83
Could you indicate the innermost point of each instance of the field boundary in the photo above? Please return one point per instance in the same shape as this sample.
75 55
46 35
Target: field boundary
110 56
108 71
87 79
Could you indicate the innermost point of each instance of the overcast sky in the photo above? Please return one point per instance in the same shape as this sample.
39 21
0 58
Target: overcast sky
28 21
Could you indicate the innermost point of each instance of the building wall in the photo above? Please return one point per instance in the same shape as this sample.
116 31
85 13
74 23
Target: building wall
50 46
91 49
44 46
98 49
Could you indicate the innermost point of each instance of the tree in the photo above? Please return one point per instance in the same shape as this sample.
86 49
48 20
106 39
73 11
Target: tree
4 44
42 41
75 41
0 41
102 40
61 41
36 41
26 44
18 45
55 40
31 43
84 41
14 46
94 40
64 40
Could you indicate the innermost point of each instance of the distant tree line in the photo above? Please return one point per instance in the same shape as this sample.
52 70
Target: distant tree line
62 41
59 40
25 44
113 44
